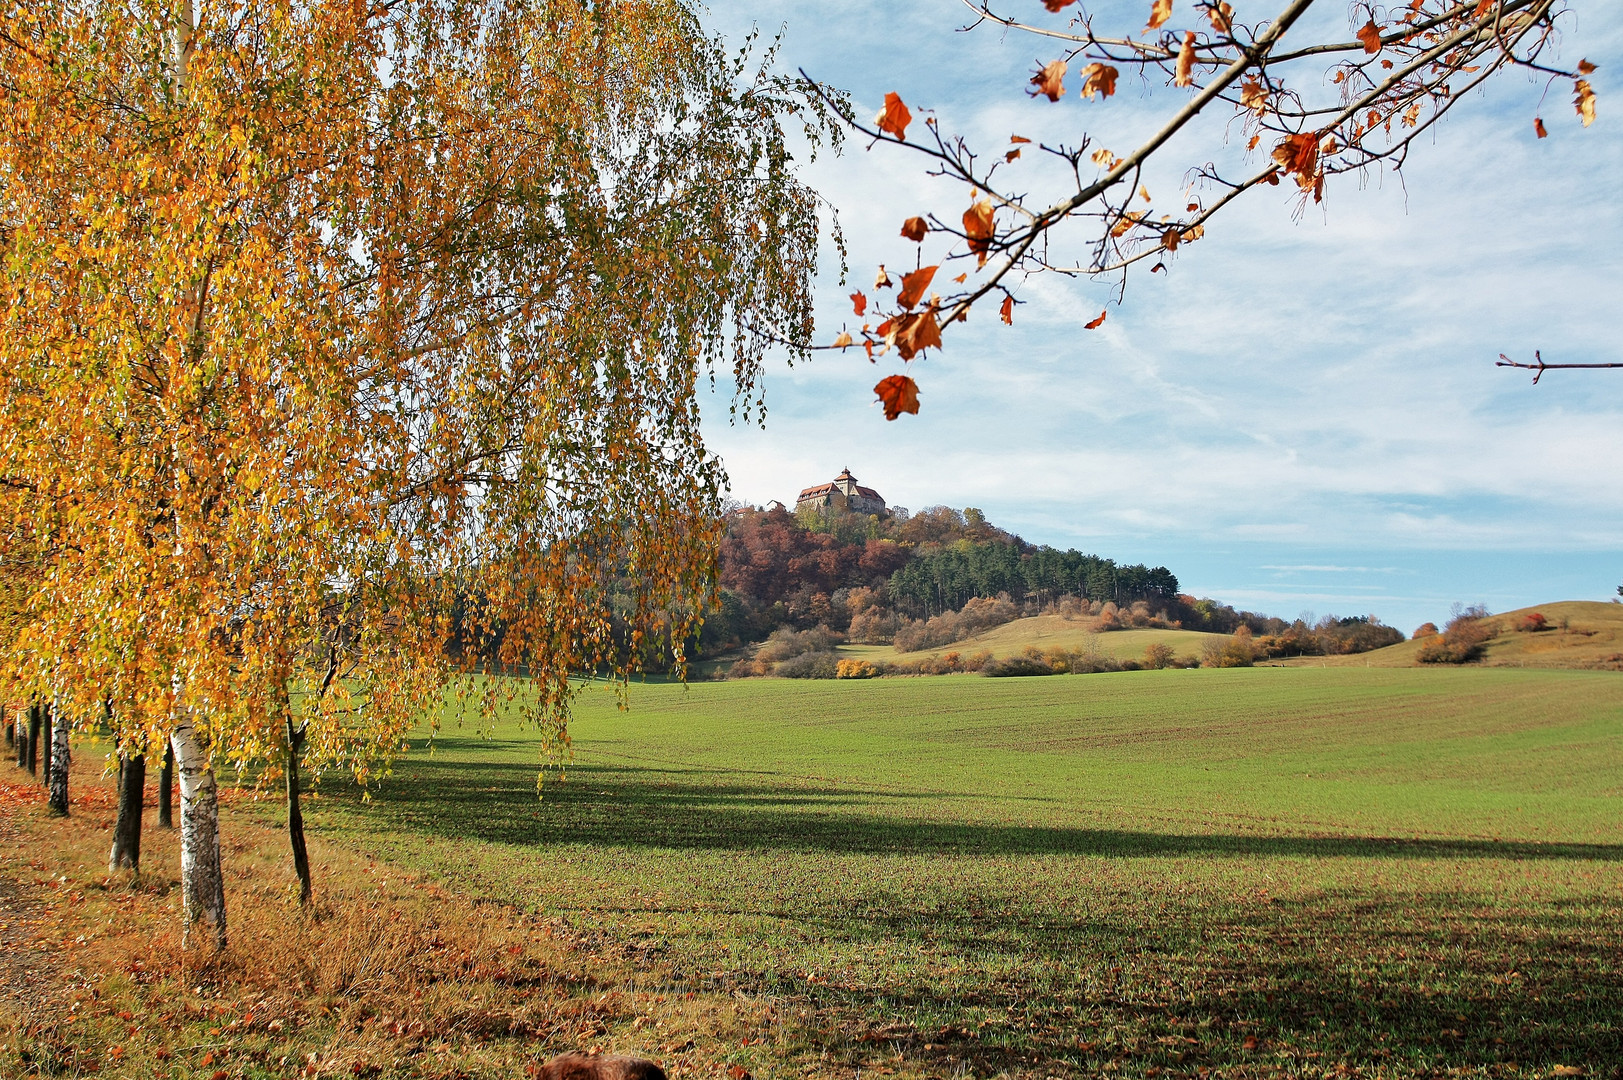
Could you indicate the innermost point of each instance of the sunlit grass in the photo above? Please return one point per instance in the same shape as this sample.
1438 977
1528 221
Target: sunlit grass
1245 871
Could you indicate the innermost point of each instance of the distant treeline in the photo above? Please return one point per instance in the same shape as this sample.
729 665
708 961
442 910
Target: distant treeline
946 578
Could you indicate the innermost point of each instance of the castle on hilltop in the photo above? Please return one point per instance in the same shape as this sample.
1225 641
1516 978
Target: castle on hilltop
844 493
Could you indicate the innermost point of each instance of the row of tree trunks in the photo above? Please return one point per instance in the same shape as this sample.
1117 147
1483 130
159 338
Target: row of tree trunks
201 871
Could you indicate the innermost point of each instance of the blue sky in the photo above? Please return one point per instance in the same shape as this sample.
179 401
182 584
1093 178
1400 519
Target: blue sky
1302 415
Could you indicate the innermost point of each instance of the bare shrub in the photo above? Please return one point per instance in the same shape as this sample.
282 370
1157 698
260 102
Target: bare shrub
1462 641
978 615
785 644
1016 666
1159 655
809 665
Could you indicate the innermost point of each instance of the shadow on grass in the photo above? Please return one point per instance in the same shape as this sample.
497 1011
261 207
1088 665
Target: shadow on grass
679 808
1396 985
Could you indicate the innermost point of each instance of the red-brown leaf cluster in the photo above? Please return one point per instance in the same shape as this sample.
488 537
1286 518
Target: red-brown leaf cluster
1050 80
979 228
899 394
767 556
1370 35
915 333
894 117
913 286
1186 61
1098 79
1299 155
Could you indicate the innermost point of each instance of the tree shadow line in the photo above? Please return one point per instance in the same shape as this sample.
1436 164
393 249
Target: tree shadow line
640 807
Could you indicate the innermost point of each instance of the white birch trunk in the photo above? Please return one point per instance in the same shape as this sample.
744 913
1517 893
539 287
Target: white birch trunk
60 729
202 882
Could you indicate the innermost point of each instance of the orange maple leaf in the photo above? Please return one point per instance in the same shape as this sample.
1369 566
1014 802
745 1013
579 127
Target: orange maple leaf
1585 67
1096 323
1221 15
881 280
1299 154
1186 61
1125 223
1011 155
843 340
914 229
913 286
899 394
1370 35
916 332
894 117
1538 128
1160 12
1007 311
1057 6
1049 80
1098 79
859 303
979 227
1253 96
1584 101
1104 158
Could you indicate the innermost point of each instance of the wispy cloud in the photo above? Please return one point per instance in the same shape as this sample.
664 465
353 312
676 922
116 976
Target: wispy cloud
1286 388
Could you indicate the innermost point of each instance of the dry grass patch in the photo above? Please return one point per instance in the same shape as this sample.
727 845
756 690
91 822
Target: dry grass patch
389 975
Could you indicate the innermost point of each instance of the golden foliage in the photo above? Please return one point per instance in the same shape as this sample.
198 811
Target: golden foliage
328 364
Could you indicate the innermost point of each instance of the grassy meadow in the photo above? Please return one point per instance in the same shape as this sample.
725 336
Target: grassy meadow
1256 871
1273 872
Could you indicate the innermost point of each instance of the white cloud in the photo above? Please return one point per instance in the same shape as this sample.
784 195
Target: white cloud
1303 386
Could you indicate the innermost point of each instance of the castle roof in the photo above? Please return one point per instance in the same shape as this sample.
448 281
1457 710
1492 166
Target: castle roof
824 489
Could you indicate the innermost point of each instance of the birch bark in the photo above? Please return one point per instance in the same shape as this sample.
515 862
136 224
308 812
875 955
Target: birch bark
202 883
60 759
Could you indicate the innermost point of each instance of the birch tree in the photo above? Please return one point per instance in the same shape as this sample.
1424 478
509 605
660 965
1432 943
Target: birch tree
376 307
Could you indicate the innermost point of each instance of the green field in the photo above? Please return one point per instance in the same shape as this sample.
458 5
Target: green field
1248 872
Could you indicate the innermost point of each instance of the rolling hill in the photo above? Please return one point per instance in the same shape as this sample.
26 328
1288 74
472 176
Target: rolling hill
1582 634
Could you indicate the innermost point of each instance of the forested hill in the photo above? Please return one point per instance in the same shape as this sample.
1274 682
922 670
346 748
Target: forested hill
778 569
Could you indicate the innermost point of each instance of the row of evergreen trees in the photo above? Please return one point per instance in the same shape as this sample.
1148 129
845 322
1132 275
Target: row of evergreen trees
946 578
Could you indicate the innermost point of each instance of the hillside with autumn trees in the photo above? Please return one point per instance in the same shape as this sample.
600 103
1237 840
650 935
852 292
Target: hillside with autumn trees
942 575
